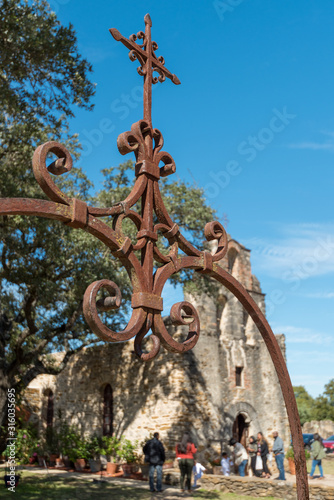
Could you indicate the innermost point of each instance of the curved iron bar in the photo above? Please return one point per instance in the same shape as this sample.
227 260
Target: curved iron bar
90 309
146 143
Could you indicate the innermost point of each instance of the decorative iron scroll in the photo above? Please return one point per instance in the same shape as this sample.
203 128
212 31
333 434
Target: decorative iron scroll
152 163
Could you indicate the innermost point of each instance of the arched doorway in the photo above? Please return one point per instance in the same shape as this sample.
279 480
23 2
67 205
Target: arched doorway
240 429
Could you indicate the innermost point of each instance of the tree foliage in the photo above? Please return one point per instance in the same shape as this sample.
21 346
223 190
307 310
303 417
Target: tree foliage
320 408
305 403
42 76
42 73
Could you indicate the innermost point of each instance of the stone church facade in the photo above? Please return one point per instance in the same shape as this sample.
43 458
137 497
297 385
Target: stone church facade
226 386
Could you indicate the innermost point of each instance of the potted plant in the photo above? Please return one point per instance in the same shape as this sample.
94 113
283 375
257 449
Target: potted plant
216 466
128 453
66 437
291 459
290 456
76 449
110 449
79 455
52 447
94 450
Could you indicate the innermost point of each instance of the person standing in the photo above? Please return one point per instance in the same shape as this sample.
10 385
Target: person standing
226 464
155 456
317 454
278 451
240 456
252 450
185 451
198 470
263 451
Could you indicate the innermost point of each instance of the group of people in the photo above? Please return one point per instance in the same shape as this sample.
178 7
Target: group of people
258 452
185 450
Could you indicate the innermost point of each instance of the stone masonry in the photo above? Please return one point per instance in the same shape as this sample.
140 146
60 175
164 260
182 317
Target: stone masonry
227 384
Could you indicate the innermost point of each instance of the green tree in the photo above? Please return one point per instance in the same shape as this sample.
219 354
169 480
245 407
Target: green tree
42 77
324 404
329 392
322 410
305 403
45 266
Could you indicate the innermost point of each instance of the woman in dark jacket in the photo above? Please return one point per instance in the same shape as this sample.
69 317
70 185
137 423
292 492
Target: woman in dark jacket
252 450
263 450
185 454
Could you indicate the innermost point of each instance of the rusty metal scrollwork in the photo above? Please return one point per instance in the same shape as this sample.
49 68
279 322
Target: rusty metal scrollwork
152 163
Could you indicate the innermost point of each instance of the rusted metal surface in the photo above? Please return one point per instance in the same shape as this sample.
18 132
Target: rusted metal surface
146 143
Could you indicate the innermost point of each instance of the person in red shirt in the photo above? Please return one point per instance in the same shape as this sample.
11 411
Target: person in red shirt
185 451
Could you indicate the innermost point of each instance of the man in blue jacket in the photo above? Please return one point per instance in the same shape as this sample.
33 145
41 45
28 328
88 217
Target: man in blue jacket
155 456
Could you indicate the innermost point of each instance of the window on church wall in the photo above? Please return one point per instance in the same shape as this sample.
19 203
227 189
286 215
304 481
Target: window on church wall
49 410
238 376
107 411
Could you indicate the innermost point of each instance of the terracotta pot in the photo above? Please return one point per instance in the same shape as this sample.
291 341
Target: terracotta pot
59 462
79 464
292 466
112 468
52 459
129 469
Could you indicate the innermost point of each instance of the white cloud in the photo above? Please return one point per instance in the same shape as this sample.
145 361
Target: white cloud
328 145
303 251
300 335
313 145
320 295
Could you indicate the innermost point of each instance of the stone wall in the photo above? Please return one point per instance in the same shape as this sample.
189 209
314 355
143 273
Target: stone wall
262 488
173 393
323 427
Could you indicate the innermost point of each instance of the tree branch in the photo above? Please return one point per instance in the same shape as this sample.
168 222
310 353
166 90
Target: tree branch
28 305
40 367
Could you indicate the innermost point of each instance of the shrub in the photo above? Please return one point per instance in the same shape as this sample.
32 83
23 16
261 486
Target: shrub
290 453
128 451
26 444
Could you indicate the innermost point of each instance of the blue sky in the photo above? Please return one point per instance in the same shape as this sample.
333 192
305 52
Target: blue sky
252 123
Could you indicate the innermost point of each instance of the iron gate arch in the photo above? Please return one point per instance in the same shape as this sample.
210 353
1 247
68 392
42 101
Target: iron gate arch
146 143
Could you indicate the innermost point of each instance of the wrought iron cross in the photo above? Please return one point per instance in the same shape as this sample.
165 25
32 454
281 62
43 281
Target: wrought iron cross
146 143
149 62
